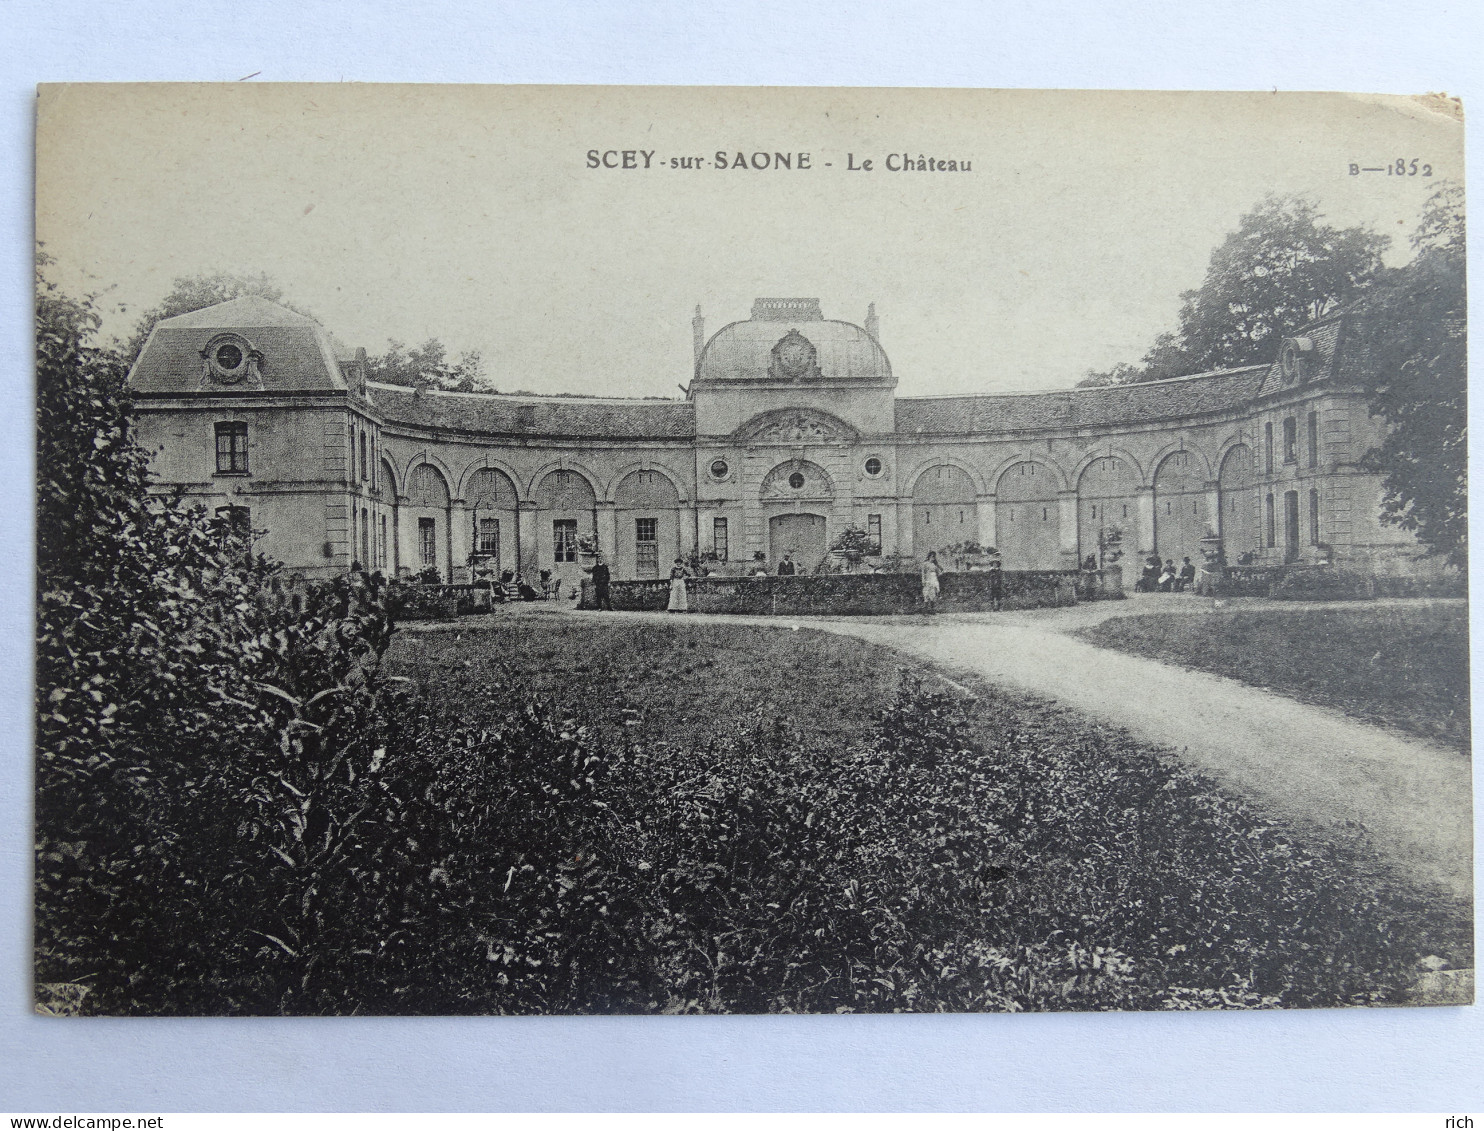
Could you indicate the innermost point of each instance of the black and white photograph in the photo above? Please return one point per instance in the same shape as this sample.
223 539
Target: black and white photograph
538 550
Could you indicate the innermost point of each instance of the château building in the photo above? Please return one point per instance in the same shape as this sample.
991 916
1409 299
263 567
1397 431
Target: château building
790 431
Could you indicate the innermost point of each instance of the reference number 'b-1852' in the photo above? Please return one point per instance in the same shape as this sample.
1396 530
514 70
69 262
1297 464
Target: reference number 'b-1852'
1401 167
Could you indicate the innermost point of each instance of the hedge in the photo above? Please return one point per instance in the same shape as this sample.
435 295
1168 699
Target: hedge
844 594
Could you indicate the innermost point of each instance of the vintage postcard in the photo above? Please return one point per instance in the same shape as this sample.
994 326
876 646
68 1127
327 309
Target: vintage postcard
561 550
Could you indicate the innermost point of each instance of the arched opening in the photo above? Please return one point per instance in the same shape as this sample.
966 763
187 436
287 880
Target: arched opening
647 519
803 537
1238 495
389 552
944 512
494 521
565 512
1027 517
1107 501
1180 514
428 515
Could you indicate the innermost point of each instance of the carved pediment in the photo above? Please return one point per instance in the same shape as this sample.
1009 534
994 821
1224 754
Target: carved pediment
798 426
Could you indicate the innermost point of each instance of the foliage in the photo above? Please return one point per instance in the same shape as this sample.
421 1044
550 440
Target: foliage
1399 666
854 539
427 367
239 810
1413 341
1282 268
193 292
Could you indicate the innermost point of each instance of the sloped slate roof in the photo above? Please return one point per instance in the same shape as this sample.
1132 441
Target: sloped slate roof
537 416
1150 402
297 353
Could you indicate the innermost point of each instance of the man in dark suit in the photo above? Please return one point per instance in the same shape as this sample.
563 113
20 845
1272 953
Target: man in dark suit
786 567
601 577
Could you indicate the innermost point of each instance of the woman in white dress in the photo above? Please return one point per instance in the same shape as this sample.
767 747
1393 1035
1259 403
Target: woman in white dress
930 571
678 574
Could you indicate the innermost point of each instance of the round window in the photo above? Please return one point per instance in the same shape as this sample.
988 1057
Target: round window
719 469
228 356
796 480
873 466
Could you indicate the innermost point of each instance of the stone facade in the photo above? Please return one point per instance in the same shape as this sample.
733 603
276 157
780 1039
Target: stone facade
790 431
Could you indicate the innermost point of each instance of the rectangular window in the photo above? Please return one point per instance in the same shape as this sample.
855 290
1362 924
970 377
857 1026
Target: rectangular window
1290 440
873 530
564 540
1267 435
1270 530
427 541
719 538
1313 439
489 537
381 557
365 466
1313 517
647 547
231 448
365 539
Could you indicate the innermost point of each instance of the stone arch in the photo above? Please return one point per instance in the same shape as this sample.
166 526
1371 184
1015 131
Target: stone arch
1174 448
492 503
946 461
818 485
392 484
1028 514
594 481
648 522
611 494
1238 500
1104 451
449 478
483 463
945 510
1108 484
566 498
429 517
427 485
1181 511
1025 455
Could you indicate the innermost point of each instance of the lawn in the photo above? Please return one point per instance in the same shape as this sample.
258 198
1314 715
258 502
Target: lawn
767 820
1405 666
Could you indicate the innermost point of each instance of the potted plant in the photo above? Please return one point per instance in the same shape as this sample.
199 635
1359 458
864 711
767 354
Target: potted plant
853 545
587 551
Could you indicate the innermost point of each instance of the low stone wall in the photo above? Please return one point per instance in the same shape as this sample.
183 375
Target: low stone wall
1327 583
845 594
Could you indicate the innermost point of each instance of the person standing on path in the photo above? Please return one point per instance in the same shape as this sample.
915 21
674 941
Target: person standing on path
930 571
678 602
602 576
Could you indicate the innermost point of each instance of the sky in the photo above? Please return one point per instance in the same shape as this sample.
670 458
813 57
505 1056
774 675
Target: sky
475 215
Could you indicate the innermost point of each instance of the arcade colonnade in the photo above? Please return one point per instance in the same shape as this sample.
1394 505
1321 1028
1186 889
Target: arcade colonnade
436 506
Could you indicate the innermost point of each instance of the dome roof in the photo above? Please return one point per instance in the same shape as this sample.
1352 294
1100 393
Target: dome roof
788 341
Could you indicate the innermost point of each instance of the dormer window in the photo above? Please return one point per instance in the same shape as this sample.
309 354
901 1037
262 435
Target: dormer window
231 359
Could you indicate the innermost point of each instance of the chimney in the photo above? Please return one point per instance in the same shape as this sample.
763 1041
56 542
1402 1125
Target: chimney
873 327
698 331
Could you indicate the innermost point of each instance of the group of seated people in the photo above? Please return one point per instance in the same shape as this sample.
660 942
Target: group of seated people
1163 577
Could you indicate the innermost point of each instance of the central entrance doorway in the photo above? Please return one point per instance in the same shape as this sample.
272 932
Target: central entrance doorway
800 535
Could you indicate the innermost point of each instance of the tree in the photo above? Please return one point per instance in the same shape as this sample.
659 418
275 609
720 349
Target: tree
428 367
1283 267
193 292
1412 341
